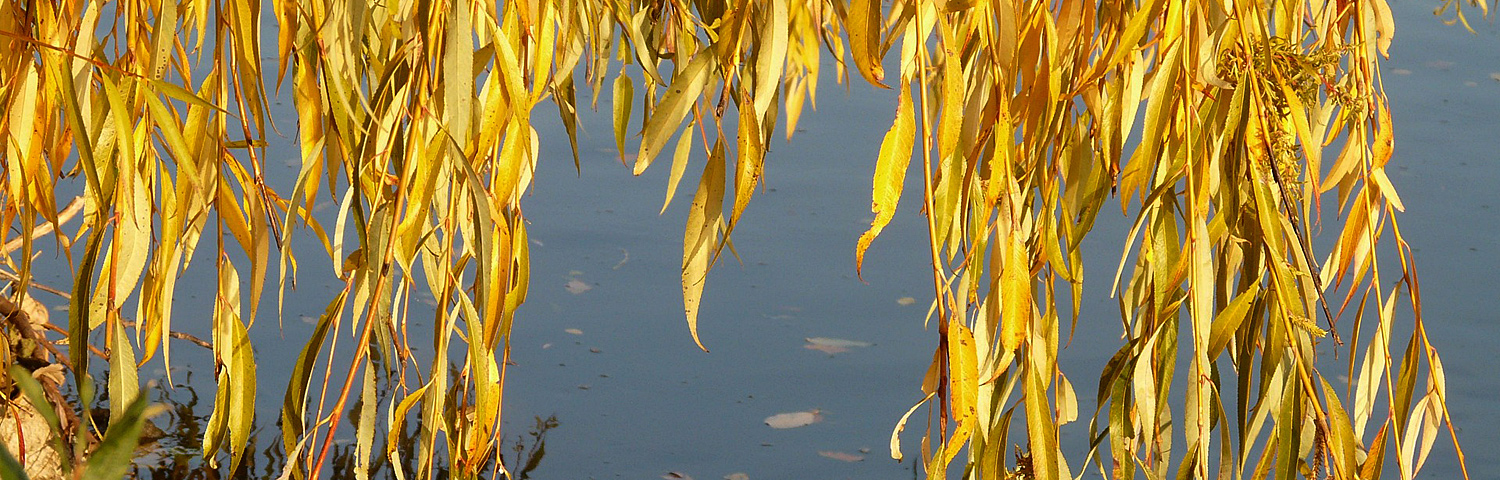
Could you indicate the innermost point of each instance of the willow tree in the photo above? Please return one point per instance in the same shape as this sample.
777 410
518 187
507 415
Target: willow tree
1221 127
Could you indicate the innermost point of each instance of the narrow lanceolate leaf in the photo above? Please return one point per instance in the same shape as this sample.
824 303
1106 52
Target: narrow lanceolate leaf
679 165
1040 426
234 405
112 458
686 86
700 237
748 170
365 431
770 55
1342 443
890 174
621 101
10 469
864 23
963 374
123 385
1015 295
1229 320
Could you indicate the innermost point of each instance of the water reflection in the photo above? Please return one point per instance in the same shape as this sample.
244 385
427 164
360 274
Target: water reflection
173 450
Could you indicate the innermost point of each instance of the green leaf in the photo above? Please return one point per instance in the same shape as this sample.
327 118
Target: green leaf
112 458
124 386
10 469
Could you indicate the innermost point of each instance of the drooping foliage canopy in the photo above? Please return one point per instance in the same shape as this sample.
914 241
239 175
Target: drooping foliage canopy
1228 131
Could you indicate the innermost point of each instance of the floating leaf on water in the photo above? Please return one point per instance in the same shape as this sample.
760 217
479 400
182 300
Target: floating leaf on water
623 260
841 456
794 419
1401 71
573 331
576 286
828 349
1495 76
905 301
737 476
837 342
677 475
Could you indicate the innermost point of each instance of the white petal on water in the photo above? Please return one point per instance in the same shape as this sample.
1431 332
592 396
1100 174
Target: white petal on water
837 342
793 419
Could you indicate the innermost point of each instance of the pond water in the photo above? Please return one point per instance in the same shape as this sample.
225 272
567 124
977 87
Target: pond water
601 345
648 402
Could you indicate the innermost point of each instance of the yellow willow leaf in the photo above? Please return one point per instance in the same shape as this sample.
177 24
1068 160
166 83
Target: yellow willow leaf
122 116
890 173
700 237
179 92
512 164
1015 295
1139 22
365 428
486 375
1385 26
621 100
542 58
1298 114
234 404
1229 319
796 94
396 417
633 31
164 35
750 164
458 75
1040 426
1067 401
771 53
1386 188
1342 444
686 86
520 282
242 394
901 425
22 116
963 384
1385 139
953 94
864 22
679 165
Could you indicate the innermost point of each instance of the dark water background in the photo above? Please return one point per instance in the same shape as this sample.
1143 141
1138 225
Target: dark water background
634 398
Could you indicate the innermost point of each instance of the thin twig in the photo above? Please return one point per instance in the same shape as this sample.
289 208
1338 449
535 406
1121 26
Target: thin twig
33 284
45 228
1305 245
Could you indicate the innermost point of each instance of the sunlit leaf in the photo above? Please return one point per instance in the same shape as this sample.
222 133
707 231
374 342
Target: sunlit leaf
890 174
